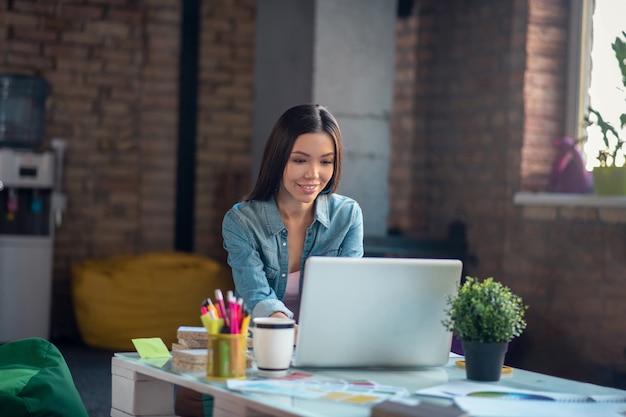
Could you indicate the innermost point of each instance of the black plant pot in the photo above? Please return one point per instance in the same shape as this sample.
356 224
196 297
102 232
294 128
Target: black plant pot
484 361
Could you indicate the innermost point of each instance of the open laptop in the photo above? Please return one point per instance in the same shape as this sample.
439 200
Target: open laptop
375 312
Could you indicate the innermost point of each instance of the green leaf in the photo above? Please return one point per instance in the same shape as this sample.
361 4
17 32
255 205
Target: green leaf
485 311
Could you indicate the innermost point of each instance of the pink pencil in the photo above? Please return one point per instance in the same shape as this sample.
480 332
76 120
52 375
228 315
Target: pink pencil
219 299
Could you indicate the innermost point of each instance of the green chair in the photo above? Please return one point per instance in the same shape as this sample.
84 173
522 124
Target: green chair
35 381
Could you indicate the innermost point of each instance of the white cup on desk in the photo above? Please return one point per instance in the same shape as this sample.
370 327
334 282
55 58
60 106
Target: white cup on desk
272 344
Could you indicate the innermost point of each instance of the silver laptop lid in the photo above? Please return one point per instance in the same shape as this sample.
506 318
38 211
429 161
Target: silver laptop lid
364 312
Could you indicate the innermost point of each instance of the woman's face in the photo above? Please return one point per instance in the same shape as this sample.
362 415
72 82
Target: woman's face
309 168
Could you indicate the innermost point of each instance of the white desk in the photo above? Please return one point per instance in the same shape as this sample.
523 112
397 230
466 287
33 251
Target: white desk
141 389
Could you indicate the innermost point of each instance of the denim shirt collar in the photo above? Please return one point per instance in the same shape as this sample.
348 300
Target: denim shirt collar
275 223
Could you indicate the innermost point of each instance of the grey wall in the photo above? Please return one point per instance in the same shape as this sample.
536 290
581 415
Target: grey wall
339 53
283 68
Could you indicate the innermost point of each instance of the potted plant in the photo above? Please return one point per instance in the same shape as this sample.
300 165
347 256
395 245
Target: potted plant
609 178
485 316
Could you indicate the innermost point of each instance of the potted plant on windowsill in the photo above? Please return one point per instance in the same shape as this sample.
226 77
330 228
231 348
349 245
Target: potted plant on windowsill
485 316
609 178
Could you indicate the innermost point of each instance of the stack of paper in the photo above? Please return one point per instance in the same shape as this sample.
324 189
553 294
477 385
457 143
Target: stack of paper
191 338
190 353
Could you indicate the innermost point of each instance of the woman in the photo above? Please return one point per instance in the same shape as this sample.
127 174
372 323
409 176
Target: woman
292 213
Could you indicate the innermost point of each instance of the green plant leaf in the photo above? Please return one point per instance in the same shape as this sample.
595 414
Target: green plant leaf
485 311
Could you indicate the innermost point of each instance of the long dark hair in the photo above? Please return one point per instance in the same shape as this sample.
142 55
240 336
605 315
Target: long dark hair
296 121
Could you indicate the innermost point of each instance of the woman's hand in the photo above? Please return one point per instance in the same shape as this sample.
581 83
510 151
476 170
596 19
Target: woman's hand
284 316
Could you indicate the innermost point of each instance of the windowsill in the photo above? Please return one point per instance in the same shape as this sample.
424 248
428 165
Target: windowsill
568 200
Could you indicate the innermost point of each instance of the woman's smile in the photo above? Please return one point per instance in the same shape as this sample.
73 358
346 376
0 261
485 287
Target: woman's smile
309 188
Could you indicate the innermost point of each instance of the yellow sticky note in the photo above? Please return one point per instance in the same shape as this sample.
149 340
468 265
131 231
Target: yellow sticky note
157 362
362 399
151 347
337 396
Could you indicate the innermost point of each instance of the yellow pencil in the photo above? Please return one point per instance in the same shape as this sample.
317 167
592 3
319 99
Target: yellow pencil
245 323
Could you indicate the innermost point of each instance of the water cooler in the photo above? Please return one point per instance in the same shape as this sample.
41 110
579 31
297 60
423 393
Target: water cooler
31 204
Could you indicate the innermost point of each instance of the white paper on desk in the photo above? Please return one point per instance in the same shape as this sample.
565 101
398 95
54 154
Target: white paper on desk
339 390
463 388
482 407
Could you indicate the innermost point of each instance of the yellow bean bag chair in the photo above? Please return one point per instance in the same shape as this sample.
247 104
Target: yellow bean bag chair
151 295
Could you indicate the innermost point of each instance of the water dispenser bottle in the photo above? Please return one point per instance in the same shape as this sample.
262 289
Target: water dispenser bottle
22 110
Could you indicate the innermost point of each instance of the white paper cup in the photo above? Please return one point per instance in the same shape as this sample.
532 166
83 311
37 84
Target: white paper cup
272 344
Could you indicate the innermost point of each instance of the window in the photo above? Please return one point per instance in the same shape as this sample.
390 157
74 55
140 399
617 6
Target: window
594 77
605 87
577 100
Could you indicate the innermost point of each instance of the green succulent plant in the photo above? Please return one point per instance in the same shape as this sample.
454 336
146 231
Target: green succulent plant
485 311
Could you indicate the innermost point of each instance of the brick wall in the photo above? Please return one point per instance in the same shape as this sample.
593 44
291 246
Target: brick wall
113 69
489 103
113 72
469 117
224 117
567 262
406 208
543 90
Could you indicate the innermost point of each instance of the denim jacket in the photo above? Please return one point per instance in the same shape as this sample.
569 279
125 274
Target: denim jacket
256 241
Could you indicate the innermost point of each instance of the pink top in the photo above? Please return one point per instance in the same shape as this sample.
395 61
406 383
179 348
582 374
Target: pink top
292 293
